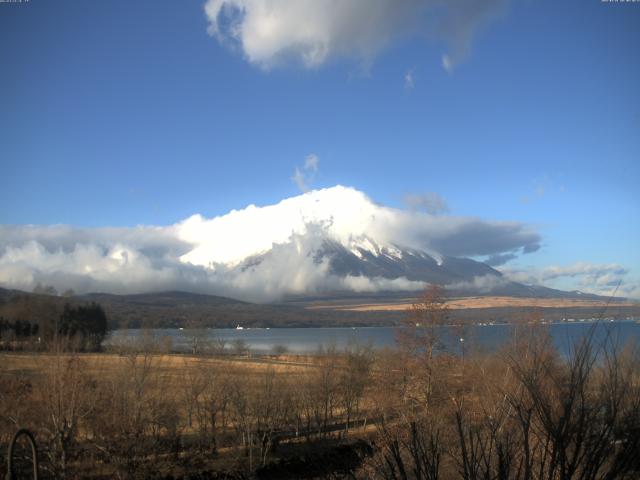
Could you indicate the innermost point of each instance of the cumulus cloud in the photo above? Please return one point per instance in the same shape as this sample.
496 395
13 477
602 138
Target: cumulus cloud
303 178
257 253
430 202
269 32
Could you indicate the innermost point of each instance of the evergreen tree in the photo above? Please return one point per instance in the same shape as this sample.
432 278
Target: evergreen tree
88 323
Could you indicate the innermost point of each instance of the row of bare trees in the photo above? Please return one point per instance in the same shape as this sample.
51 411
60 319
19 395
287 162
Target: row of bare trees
141 413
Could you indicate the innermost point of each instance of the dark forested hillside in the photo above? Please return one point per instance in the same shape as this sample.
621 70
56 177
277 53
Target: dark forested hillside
182 309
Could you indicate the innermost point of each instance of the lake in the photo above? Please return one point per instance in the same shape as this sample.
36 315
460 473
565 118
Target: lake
477 338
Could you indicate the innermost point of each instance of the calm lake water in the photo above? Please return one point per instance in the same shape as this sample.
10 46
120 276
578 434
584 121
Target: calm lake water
485 338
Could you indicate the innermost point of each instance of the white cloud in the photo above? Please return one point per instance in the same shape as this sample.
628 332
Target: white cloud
220 255
269 32
299 180
305 177
409 80
345 215
447 63
311 163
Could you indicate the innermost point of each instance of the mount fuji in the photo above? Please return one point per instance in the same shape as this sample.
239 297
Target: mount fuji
323 242
338 240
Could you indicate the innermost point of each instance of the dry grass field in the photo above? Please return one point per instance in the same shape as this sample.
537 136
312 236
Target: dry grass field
149 414
356 414
474 302
172 364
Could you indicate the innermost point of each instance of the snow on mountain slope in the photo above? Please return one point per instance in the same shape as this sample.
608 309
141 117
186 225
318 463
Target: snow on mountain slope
348 217
339 214
336 233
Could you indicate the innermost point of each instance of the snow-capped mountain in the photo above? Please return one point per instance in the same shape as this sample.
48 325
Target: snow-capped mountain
341 214
338 239
368 259
329 240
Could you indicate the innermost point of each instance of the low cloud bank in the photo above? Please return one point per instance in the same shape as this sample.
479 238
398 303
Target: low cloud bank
601 279
257 253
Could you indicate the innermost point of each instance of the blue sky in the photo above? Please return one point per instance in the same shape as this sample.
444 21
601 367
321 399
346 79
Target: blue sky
132 113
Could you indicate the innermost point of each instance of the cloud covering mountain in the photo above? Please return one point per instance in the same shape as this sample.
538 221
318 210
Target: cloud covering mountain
256 253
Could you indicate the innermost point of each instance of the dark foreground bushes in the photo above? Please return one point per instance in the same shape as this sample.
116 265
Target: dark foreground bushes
524 414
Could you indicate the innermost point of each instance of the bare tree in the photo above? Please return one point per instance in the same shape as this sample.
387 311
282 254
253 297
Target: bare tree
354 377
324 387
240 347
421 335
419 338
585 411
67 396
408 451
271 410
137 413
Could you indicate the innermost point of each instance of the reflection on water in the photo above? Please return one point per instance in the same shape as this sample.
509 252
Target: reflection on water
476 338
